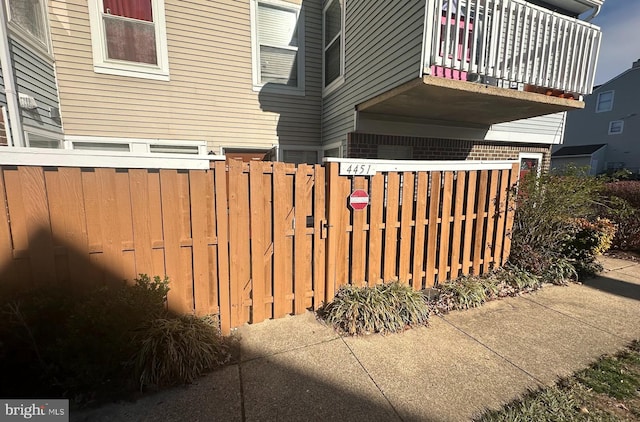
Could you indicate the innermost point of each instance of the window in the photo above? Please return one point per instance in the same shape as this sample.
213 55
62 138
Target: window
29 18
35 138
333 44
530 162
129 38
278 39
616 127
605 102
300 156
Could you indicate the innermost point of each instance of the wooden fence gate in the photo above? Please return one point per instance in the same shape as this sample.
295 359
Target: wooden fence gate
252 241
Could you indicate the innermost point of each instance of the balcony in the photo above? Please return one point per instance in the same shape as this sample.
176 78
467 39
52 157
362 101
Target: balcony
492 61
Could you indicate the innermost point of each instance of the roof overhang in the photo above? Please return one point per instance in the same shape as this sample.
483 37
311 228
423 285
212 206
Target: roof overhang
443 99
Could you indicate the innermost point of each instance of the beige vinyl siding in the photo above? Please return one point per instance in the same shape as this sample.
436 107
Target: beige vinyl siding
383 50
210 94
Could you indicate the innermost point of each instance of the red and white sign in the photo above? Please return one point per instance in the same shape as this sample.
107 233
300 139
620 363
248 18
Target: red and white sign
359 199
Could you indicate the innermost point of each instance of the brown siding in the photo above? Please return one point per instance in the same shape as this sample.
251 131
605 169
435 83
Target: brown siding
362 145
210 95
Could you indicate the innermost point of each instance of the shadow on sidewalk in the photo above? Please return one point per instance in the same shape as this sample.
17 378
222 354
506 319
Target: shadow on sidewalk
614 286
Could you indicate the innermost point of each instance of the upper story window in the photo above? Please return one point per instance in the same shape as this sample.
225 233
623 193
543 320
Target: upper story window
129 38
29 18
278 40
333 20
604 102
616 127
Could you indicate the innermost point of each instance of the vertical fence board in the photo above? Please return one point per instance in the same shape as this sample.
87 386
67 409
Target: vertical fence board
406 217
343 235
302 244
57 210
267 233
375 229
139 182
180 296
501 209
6 250
279 240
21 271
113 264
434 207
289 253
38 224
222 226
478 248
256 192
515 170
238 242
391 230
419 232
359 238
155 222
469 219
319 255
489 245
198 187
125 224
457 244
445 227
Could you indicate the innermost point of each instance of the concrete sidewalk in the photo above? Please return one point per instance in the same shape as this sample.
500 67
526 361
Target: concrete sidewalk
295 369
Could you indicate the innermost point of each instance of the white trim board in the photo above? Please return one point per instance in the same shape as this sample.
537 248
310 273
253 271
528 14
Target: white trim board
108 159
410 165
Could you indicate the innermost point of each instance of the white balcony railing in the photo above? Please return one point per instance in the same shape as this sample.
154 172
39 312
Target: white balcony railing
513 41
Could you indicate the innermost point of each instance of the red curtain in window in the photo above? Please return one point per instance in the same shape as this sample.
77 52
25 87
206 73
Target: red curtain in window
135 9
130 40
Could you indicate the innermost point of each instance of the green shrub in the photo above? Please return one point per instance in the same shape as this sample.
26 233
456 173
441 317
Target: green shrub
561 271
625 214
518 278
465 292
385 308
76 343
177 350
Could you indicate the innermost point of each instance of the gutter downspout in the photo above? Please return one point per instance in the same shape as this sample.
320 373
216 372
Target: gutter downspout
596 12
13 104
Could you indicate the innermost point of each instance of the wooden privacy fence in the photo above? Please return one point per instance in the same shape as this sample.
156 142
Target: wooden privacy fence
251 241
422 226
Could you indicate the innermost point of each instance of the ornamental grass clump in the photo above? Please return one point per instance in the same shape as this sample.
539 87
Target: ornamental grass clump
469 291
177 350
384 308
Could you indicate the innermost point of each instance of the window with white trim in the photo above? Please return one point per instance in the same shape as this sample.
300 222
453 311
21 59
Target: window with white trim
36 138
129 38
28 19
333 19
604 102
300 156
616 127
278 40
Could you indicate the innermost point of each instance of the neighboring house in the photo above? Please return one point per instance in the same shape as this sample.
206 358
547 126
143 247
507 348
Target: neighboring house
29 97
298 79
611 118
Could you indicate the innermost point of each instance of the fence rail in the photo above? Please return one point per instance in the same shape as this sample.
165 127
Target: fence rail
249 241
513 41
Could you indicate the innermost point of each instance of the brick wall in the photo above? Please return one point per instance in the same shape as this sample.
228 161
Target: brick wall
363 145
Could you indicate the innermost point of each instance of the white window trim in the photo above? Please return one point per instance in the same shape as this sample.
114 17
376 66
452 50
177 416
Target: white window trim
136 145
102 64
17 32
255 50
283 148
340 145
621 127
535 155
598 101
56 136
340 79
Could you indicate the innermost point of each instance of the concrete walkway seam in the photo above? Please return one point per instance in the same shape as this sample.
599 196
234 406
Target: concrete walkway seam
243 416
294 349
577 319
533 377
372 380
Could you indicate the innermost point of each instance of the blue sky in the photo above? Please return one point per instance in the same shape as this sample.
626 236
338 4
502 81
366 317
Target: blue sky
620 23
